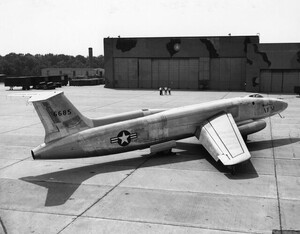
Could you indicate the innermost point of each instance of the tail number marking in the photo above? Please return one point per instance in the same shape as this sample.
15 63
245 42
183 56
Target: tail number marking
62 112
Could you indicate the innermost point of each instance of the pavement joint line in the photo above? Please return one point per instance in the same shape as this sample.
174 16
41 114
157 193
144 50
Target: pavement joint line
109 104
14 163
276 179
20 128
132 170
165 224
288 159
83 164
99 107
3 226
102 197
290 199
152 189
209 171
61 182
19 145
38 212
225 95
292 176
201 192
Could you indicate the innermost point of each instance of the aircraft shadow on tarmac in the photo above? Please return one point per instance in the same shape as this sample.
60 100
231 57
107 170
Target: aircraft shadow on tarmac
62 184
261 145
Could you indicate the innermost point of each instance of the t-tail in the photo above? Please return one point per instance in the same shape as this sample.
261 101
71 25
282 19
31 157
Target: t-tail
58 115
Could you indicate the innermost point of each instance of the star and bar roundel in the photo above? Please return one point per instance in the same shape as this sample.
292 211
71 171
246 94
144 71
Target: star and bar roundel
124 138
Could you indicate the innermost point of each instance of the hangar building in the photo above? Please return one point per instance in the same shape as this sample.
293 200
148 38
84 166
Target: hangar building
215 63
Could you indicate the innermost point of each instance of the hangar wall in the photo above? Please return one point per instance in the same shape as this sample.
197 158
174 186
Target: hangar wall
180 63
216 63
273 68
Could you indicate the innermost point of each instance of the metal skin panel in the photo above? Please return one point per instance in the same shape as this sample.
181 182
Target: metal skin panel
154 128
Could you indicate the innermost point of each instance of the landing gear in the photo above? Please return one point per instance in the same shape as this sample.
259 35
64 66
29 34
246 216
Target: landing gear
165 152
232 169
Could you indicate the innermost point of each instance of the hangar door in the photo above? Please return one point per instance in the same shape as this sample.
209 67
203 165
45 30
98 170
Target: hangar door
177 73
228 74
174 73
126 73
279 81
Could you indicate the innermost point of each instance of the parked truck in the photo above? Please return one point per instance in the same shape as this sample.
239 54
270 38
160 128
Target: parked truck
36 82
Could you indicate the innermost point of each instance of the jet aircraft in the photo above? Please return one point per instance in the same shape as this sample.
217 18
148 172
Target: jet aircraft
220 126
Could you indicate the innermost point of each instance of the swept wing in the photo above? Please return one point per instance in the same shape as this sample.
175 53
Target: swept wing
221 138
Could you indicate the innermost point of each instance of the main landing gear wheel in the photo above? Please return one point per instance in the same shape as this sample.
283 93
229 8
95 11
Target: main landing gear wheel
232 169
165 152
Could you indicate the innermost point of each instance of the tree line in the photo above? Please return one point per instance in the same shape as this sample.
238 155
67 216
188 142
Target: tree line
30 65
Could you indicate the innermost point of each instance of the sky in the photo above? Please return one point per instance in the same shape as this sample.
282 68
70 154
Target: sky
72 26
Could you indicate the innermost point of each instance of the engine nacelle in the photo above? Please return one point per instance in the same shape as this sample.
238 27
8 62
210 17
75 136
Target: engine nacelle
252 127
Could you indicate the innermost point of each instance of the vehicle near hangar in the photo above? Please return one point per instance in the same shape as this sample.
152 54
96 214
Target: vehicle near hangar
219 126
36 82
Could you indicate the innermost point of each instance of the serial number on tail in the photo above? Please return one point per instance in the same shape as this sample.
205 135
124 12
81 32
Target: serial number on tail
62 112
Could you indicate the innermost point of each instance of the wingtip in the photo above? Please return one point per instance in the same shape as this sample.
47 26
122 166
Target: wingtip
227 161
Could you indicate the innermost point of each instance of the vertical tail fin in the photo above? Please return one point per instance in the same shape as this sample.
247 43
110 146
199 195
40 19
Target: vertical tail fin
58 115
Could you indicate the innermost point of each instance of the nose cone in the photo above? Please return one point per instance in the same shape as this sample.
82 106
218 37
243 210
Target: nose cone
280 105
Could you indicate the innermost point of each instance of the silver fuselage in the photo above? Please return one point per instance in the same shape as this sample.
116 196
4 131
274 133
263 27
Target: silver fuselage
172 124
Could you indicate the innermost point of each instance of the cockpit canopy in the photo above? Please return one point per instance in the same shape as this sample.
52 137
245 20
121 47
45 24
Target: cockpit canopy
255 95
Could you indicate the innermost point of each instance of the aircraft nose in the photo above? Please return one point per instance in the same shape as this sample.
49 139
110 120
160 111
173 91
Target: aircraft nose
281 105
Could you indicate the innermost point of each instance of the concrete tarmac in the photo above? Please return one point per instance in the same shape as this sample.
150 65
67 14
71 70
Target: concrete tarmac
135 192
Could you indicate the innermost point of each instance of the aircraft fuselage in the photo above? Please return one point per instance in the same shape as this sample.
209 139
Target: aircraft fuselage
142 132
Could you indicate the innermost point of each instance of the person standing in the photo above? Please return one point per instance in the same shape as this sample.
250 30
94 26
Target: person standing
160 91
